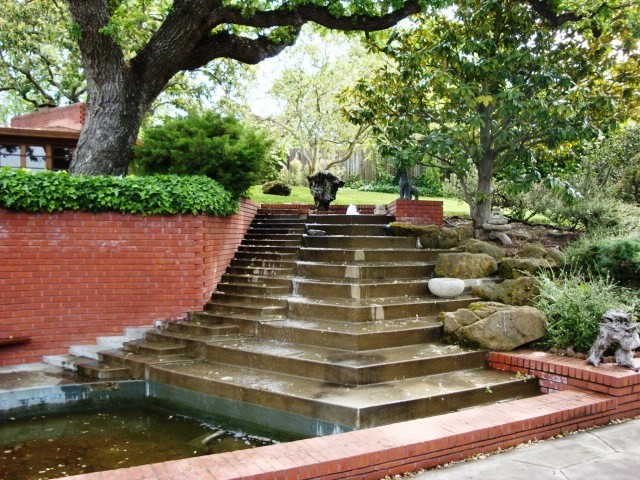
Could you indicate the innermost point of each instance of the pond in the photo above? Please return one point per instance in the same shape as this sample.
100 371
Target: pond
58 445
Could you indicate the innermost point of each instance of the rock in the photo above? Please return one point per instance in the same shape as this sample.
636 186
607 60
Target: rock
433 236
478 246
380 210
515 267
494 326
503 237
491 226
465 265
276 187
446 287
324 186
539 251
521 291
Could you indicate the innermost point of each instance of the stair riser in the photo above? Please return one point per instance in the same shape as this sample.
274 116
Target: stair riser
352 230
257 280
222 310
195 329
358 242
319 271
263 263
272 236
271 243
350 342
224 298
253 289
300 309
261 272
372 255
356 291
349 219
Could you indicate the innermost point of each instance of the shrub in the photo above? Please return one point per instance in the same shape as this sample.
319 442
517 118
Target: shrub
206 144
48 191
616 258
276 187
574 305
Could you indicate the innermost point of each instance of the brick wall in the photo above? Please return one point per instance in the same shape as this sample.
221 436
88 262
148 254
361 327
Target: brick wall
69 117
417 212
556 374
66 278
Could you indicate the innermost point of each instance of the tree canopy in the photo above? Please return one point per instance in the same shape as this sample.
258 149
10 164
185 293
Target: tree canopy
489 87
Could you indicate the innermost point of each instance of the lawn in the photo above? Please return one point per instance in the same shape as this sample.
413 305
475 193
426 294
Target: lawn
345 196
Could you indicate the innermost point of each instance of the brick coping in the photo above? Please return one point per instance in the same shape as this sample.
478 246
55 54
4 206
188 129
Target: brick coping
580 396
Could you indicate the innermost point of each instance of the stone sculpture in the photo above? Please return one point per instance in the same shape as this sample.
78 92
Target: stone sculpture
324 186
616 328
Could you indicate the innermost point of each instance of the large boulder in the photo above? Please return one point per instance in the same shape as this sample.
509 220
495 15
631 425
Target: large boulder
433 236
474 245
515 267
494 326
465 265
520 291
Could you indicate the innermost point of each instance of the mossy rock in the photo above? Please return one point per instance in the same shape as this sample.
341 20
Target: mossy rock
474 245
276 187
433 236
540 251
465 265
515 267
519 291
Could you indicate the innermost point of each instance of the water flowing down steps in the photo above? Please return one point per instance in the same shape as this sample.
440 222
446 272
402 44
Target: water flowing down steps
324 317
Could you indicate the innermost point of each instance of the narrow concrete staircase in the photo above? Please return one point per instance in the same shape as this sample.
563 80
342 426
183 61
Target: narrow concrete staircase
324 317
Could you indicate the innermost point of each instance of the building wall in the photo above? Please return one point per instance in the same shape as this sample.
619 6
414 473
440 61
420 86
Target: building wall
68 277
70 117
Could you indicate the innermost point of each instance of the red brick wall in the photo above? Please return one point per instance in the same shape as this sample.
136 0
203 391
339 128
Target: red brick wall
557 374
71 117
66 278
417 212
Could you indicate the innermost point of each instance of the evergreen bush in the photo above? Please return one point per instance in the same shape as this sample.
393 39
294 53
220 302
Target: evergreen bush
207 144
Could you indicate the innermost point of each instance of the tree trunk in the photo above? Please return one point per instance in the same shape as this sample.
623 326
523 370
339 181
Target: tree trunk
481 211
110 130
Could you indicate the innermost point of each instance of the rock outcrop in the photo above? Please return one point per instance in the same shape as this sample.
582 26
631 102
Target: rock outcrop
494 326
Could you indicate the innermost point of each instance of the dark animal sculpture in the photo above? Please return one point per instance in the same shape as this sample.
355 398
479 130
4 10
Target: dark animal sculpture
324 186
407 191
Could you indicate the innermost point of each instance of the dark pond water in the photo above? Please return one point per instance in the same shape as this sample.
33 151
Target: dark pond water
55 446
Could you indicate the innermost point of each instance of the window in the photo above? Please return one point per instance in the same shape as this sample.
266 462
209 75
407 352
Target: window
10 156
61 157
36 157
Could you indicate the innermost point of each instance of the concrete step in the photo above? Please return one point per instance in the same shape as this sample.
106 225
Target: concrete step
354 242
370 255
261 271
257 280
221 297
349 219
351 229
240 308
343 367
352 407
360 290
254 290
367 310
353 336
267 242
364 271
264 263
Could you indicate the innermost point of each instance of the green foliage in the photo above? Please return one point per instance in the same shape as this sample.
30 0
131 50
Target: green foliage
574 305
206 144
617 258
48 191
459 92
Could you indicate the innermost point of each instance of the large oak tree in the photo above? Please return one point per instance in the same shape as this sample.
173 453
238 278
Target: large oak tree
124 78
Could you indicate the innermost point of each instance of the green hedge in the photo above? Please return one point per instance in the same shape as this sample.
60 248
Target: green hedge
46 191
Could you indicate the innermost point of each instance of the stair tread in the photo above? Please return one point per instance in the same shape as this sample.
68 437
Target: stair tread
379 302
358 328
342 358
357 397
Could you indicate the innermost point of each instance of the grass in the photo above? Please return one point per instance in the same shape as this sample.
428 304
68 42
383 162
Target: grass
345 196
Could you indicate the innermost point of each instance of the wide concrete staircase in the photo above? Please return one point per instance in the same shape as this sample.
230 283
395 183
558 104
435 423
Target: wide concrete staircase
324 317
